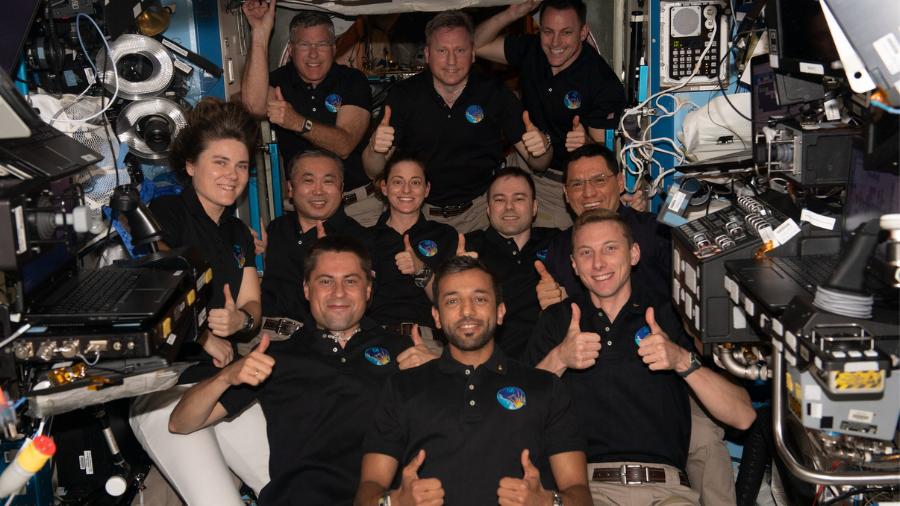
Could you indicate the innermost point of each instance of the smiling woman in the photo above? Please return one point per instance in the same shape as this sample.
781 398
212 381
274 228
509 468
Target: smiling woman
211 157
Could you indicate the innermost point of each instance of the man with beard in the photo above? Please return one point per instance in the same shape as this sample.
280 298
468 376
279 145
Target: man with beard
472 427
317 389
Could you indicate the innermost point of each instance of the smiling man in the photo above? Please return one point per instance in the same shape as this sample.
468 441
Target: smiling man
568 89
317 389
622 352
315 182
457 118
509 247
472 427
311 102
593 181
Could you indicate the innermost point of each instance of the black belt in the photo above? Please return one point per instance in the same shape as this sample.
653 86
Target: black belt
450 211
635 475
553 175
351 198
282 326
404 329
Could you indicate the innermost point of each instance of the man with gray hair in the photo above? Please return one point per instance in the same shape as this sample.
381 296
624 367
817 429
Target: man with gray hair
314 185
455 117
311 102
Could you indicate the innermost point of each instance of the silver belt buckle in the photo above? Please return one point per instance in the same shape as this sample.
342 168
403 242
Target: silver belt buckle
623 474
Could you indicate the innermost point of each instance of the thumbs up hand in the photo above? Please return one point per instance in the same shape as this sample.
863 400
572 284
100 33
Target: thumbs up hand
525 491
320 229
224 322
414 491
575 138
536 143
548 290
461 248
659 352
407 261
252 369
383 138
579 350
417 355
281 113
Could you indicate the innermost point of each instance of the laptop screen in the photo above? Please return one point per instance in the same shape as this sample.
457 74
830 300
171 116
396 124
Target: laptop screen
870 194
764 96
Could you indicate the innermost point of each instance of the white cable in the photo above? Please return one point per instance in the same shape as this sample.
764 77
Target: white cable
844 303
115 73
644 144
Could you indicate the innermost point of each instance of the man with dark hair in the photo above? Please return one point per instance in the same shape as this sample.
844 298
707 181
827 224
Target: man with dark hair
455 117
311 102
593 181
622 351
509 247
315 182
568 89
472 427
317 389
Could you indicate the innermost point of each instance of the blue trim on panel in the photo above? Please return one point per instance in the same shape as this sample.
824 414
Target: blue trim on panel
276 181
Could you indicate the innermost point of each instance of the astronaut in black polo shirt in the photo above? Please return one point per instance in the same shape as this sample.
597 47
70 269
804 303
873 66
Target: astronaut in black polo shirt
317 389
311 102
315 180
472 427
455 117
622 352
510 247
568 89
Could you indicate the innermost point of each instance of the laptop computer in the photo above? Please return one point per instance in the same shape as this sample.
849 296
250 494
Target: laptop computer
41 150
57 292
775 281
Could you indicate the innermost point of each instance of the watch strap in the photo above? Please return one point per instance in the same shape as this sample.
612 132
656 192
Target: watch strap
248 320
695 364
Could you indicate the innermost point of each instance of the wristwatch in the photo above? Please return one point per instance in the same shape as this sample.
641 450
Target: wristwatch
557 500
695 364
423 276
307 126
248 322
385 500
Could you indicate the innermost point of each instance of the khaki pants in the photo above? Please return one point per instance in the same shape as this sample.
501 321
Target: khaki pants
709 463
670 493
475 218
367 210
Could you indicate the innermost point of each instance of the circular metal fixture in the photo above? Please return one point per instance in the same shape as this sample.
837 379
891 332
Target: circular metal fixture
148 127
144 66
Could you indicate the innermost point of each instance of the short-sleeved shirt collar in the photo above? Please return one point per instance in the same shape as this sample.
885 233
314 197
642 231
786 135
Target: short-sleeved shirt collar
496 363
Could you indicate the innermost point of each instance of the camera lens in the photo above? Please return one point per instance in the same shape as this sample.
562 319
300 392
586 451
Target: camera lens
155 132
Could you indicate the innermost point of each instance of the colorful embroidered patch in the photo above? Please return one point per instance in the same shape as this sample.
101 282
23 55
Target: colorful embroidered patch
511 398
239 256
542 255
474 114
378 356
333 102
573 100
640 334
428 248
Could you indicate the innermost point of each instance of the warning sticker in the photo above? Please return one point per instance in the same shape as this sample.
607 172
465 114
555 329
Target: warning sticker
862 380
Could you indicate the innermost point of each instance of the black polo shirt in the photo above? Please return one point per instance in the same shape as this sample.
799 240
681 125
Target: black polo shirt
318 404
629 413
474 423
227 246
653 271
463 144
588 88
518 278
282 284
341 86
399 300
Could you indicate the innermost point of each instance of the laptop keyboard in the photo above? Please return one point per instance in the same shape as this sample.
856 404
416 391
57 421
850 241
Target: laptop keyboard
98 292
811 270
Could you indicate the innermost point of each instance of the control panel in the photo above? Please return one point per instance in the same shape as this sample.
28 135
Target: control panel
686 29
699 251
